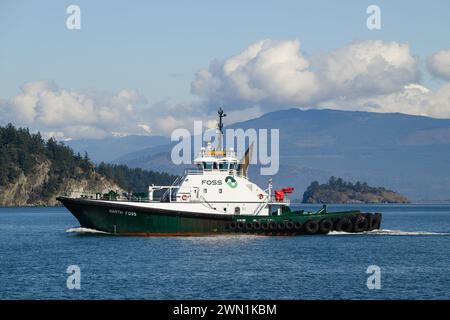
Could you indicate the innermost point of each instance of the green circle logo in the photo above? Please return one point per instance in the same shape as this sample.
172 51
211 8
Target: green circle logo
231 182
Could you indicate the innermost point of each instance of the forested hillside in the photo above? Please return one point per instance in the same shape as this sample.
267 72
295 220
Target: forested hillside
337 190
33 171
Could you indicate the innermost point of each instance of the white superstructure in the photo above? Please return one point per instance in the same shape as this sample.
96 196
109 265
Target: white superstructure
219 183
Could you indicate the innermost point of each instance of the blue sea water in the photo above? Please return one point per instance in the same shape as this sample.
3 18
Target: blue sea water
412 250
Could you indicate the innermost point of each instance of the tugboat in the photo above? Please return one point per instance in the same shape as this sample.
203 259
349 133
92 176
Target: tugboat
216 197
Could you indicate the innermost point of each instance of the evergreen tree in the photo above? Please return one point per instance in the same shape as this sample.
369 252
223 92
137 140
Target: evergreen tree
21 152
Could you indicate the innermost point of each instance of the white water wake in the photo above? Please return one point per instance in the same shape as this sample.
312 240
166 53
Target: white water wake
82 230
387 232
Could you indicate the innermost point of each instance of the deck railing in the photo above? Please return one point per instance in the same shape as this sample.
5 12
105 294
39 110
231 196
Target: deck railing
133 198
107 196
202 171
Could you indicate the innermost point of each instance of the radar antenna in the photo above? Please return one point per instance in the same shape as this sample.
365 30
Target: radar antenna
221 115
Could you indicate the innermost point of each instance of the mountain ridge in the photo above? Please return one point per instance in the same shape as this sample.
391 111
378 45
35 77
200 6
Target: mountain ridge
402 152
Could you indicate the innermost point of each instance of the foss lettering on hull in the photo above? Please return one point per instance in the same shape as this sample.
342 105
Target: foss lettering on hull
212 182
230 181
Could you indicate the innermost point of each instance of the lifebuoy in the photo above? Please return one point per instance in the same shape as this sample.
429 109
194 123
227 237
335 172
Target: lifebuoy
261 196
184 197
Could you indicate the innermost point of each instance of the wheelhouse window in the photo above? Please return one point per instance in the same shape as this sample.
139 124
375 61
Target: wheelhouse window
223 166
207 165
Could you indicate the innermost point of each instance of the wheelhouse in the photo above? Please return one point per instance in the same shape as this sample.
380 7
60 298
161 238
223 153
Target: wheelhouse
215 160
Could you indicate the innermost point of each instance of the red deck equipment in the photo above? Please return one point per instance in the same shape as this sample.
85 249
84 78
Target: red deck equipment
279 194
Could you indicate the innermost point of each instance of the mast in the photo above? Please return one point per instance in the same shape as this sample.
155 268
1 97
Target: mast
220 126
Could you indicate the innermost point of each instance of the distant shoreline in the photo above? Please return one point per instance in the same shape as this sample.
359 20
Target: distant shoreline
32 206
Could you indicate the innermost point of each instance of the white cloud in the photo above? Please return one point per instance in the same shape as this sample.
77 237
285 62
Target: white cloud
271 74
412 99
268 75
366 68
73 113
145 127
439 64
370 75
76 114
169 123
266 72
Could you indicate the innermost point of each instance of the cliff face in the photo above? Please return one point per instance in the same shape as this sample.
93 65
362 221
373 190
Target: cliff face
27 189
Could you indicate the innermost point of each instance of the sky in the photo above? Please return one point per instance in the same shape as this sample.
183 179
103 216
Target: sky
148 67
